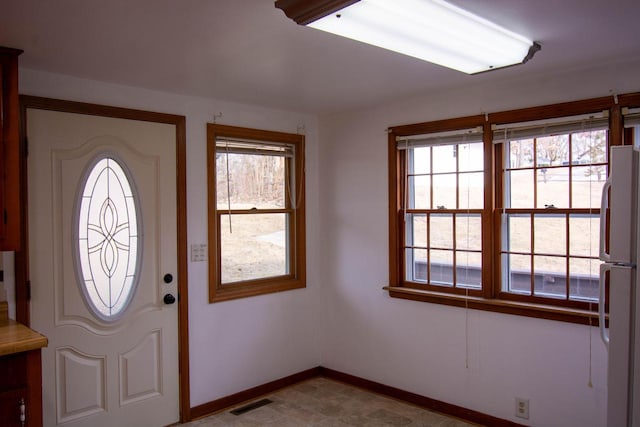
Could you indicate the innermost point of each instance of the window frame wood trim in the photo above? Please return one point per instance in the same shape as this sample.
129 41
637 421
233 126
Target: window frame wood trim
297 242
494 298
396 170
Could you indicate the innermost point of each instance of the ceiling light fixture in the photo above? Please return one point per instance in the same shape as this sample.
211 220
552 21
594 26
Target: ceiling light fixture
431 30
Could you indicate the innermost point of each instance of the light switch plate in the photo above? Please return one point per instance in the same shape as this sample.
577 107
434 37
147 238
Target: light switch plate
198 252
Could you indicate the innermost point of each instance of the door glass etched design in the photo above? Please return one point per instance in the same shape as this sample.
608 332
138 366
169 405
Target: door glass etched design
108 239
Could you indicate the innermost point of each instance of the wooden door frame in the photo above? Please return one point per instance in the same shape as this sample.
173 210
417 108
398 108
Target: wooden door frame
22 282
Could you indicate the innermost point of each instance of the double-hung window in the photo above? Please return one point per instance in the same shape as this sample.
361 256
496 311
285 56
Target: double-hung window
442 208
256 212
552 175
501 211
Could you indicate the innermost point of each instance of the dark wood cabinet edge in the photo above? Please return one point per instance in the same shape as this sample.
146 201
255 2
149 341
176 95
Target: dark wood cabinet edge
428 403
11 214
539 311
34 376
27 366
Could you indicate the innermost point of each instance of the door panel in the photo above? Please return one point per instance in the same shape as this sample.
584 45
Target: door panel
99 371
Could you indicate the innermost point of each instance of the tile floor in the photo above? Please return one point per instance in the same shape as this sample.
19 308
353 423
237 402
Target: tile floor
324 402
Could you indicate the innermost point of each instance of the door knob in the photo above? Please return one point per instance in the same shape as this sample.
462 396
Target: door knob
168 278
169 299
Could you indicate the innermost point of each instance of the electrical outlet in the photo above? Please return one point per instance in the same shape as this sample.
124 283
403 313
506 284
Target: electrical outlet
198 252
522 408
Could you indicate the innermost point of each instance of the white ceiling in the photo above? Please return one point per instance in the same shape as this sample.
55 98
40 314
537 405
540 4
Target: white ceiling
248 51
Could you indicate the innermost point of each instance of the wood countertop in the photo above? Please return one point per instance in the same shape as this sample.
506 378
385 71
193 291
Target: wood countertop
16 338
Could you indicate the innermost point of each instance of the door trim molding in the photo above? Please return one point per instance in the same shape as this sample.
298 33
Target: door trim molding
21 257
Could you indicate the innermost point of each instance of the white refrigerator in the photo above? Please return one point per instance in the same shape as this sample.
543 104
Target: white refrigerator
619 251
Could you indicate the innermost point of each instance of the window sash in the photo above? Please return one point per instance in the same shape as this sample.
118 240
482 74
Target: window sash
542 286
543 257
442 268
435 240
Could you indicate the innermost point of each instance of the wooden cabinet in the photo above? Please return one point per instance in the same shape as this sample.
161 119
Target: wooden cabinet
20 375
14 390
21 389
10 206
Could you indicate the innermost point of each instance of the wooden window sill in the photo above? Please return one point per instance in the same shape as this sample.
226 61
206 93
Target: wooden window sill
540 311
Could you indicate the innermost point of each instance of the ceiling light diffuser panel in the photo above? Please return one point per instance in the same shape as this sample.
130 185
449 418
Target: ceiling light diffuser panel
431 30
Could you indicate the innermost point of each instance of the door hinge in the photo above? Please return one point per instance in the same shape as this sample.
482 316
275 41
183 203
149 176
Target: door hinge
25 148
27 289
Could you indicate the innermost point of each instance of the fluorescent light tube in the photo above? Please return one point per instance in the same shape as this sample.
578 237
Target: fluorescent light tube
431 30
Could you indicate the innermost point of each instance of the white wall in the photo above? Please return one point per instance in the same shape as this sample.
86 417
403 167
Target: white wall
239 344
422 347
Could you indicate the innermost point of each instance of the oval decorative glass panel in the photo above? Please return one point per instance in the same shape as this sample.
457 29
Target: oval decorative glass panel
108 243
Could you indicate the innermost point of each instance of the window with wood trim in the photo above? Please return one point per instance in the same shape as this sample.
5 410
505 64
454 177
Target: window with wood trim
443 207
514 227
256 212
552 175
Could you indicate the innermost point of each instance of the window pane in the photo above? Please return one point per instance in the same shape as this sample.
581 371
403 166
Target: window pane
550 276
584 235
441 267
441 231
470 157
519 233
419 192
589 147
518 271
416 265
251 180
520 153
417 230
471 191
587 182
107 245
468 270
444 191
584 278
553 187
421 160
254 248
444 158
519 189
550 234
552 150
468 232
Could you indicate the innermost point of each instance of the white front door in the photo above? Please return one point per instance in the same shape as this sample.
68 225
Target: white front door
103 255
